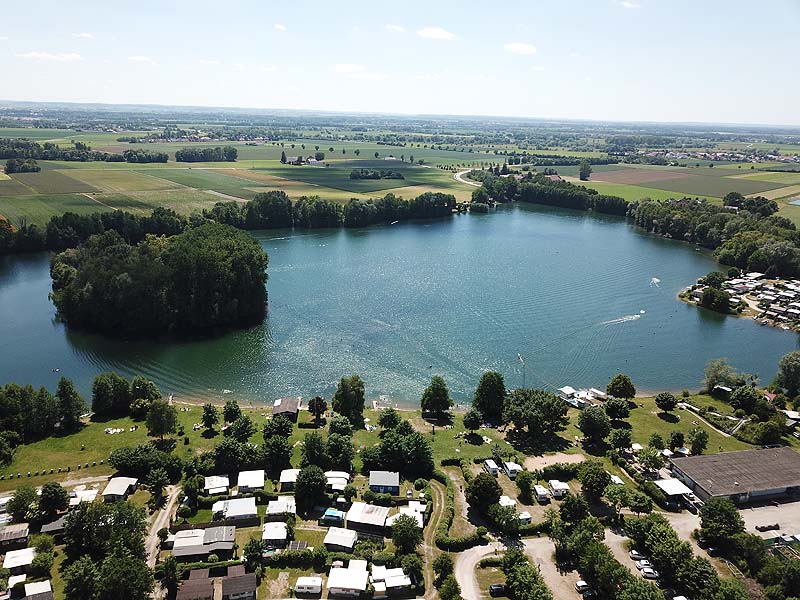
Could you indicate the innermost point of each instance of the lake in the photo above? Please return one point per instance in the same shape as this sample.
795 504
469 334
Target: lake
579 296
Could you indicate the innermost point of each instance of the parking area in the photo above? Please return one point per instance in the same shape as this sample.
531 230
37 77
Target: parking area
786 515
540 550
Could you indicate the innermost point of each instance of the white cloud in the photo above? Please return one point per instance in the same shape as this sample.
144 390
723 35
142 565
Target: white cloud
435 33
369 76
429 77
84 35
279 27
60 57
144 60
538 68
208 62
629 4
3 38
520 48
397 28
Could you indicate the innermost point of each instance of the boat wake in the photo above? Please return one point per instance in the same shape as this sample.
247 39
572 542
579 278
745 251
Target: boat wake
623 319
654 282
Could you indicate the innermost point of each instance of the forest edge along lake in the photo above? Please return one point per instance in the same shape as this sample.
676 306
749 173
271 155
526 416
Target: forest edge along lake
580 296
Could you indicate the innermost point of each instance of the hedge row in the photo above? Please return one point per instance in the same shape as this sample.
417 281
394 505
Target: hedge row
260 496
446 542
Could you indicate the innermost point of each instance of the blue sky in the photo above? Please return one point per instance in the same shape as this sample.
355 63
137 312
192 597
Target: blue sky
726 61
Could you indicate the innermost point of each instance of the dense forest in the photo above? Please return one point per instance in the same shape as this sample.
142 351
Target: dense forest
375 174
206 278
216 154
23 148
21 165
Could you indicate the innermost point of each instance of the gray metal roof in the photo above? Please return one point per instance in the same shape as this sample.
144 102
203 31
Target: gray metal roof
384 478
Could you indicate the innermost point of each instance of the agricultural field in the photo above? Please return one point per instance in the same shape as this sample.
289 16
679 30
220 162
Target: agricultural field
628 191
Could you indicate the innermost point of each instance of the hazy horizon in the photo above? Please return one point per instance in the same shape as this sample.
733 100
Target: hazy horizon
610 61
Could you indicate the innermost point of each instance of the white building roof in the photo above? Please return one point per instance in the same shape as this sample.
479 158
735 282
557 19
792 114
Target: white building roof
282 506
347 579
384 478
274 531
15 579
118 486
19 558
337 475
289 475
309 581
338 536
567 390
404 510
39 587
512 466
555 484
637 447
368 514
673 487
188 537
506 501
78 496
397 581
216 482
616 479
236 507
251 479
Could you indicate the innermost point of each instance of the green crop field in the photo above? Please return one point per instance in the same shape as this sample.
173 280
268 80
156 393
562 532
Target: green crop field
121 180
53 182
628 191
39 209
717 187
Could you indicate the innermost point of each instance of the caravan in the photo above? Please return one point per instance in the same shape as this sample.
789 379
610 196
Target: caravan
308 585
491 467
542 494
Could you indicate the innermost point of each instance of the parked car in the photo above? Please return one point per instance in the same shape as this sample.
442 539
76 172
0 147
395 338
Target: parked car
636 555
582 587
643 564
650 573
712 550
497 590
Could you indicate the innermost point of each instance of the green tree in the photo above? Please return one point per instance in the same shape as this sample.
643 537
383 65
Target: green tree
450 590
731 589
716 300
584 170
162 418
210 416
317 406
639 502
340 426
639 589
594 423
719 372
278 425
698 577
490 394
52 499
651 459
656 441
617 408
110 395
81 580
473 419
621 386
349 399
340 451
540 412
70 405
23 504
483 491
666 402
676 440
169 575
620 439
594 479
231 411
241 429
125 577
720 520
313 452
276 452
406 534
157 480
436 397
283 157
389 418
617 497
698 440
309 489
789 372
442 566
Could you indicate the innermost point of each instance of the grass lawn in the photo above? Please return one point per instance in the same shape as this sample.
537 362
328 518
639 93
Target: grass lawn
39 209
486 577
627 191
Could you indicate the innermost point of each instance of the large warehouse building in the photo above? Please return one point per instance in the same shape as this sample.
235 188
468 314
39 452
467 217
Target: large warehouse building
743 476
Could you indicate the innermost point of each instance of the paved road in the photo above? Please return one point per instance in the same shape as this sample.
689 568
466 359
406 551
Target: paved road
162 519
619 548
460 178
467 562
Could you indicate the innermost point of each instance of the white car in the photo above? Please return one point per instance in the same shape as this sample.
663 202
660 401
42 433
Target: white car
636 555
650 573
643 564
581 586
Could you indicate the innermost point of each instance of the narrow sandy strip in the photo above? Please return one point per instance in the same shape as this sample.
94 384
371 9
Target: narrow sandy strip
226 196
90 197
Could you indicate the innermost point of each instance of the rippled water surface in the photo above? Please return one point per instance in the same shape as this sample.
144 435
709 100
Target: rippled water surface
581 297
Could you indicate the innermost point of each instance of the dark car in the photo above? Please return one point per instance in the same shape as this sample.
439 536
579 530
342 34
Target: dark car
497 589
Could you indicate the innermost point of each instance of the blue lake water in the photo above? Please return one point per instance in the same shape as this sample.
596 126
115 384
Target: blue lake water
579 296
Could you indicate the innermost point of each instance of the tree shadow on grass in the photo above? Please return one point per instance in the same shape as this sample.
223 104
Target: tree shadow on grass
438 420
522 442
210 433
620 424
669 417
597 449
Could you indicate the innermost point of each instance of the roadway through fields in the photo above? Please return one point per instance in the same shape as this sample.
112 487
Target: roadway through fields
460 178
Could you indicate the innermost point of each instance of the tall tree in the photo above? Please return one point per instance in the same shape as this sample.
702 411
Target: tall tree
541 412
52 499
70 405
210 416
231 411
584 170
317 406
483 491
621 386
110 395
617 408
348 400
162 418
666 402
406 534
473 419
436 397
314 451
698 440
490 395
125 577
81 580
309 489
789 372
594 423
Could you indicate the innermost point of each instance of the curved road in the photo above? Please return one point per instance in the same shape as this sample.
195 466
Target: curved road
466 563
460 178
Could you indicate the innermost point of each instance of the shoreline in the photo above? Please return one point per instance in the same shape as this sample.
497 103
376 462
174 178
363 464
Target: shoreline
749 313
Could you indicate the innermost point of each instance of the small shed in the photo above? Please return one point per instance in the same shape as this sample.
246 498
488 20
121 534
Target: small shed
118 488
385 482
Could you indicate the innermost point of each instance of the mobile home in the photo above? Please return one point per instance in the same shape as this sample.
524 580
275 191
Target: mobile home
542 493
559 488
491 467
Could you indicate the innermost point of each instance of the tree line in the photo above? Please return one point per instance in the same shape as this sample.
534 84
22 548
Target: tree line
216 154
539 189
21 165
22 148
375 174
203 279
